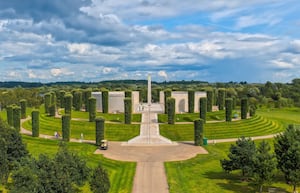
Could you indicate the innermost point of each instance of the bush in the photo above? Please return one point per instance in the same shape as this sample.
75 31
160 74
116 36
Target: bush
100 125
171 110
35 118
66 124
99 181
191 100
127 110
92 109
198 132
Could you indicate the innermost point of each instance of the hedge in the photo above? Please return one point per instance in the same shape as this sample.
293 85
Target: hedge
35 118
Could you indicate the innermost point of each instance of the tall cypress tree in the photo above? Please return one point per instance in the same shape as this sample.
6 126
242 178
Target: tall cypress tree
171 110
62 98
9 114
203 108
23 104
191 100
86 95
66 127
167 94
244 108
105 96
100 129
47 102
228 109
209 96
35 118
17 117
77 100
127 110
198 132
68 104
221 98
92 109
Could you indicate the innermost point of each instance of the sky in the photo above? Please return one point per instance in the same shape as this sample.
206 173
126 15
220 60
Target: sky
94 40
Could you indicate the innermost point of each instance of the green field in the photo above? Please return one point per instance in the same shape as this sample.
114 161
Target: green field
121 174
204 174
190 117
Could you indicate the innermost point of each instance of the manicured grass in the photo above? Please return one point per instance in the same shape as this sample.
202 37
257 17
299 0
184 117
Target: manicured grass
255 126
190 117
121 174
113 132
119 117
203 174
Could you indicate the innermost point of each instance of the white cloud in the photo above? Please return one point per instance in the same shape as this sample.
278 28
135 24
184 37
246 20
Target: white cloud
79 48
163 74
282 64
31 74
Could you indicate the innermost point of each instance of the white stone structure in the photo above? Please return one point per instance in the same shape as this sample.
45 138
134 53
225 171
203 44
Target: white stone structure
116 101
181 100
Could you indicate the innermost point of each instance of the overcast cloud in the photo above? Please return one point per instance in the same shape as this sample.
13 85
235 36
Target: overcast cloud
83 40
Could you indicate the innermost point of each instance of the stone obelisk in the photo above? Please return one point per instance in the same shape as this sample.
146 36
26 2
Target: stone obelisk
149 90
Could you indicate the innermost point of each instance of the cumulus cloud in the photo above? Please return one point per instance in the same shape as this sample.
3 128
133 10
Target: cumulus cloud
163 74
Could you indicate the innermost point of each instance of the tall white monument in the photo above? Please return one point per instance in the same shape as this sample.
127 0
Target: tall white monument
149 90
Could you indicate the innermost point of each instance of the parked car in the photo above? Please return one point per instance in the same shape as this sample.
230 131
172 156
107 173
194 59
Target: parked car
104 144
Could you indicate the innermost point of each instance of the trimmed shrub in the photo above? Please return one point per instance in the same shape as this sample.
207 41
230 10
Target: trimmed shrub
9 114
100 123
85 98
53 98
233 103
66 124
128 94
127 110
171 110
52 110
47 99
198 132
105 101
221 98
252 110
68 104
203 108
35 118
228 109
209 96
167 94
62 98
23 105
92 109
77 100
191 100
17 117
244 108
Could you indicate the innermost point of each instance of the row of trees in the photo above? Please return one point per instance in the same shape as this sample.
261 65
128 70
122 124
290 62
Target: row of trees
259 164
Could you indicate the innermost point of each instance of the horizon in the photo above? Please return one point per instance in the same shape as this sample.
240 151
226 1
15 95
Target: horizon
93 41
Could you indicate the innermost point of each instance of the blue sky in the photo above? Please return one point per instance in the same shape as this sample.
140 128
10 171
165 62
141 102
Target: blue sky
94 40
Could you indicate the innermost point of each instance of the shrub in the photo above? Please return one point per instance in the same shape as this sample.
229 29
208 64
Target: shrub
167 94
77 100
100 123
52 110
17 117
68 104
9 114
127 110
62 98
47 99
92 109
85 98
35 117
198 132
221 98
128 94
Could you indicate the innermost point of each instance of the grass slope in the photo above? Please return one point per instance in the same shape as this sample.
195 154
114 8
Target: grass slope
203 174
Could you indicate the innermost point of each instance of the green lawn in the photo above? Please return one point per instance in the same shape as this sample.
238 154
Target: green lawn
113 132
121 174
255 126
203 174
